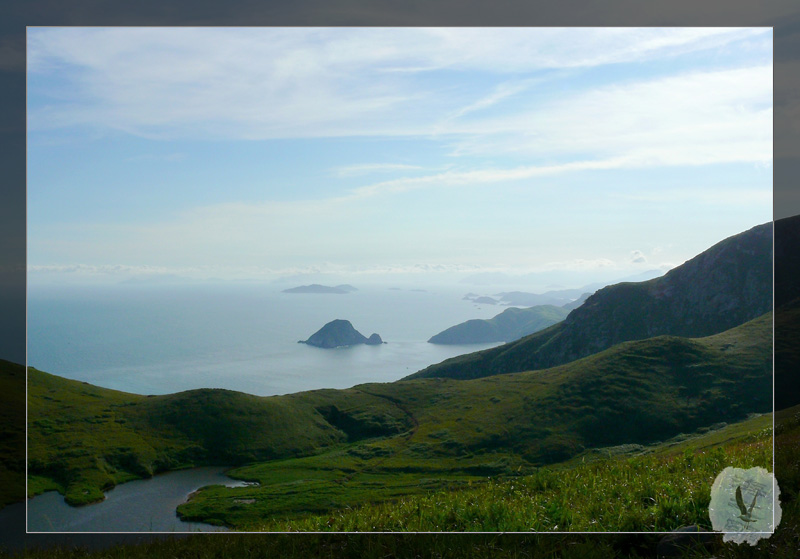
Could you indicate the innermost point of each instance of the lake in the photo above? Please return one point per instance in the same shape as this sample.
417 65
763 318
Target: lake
146 505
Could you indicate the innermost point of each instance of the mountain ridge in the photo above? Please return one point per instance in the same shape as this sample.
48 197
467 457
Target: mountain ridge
724 286
511 324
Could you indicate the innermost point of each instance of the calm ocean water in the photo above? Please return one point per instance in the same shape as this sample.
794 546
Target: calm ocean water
164 339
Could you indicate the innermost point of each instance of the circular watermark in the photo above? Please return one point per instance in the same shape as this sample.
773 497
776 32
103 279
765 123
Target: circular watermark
745 505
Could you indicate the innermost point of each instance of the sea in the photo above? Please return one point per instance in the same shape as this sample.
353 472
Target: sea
161 339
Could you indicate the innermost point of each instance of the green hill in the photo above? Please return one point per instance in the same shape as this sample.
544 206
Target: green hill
509 325
725 286
320 449
83 439
637 393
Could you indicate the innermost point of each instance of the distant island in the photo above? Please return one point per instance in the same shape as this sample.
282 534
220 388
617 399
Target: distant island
340 333
317 288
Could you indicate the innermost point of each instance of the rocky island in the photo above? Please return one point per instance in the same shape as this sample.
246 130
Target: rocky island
340 333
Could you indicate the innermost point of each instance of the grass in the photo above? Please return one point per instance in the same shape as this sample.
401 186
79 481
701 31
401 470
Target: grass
345 477
84 439
507 425
661 490
782 545
391 439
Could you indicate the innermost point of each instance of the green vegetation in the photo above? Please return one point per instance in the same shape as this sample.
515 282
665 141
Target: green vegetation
782 545
610 437
345 477
84 439
322 450
653 492
509 325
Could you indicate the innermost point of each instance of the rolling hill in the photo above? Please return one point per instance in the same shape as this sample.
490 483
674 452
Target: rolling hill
83 439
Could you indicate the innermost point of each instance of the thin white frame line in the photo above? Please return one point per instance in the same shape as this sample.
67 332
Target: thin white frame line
27 27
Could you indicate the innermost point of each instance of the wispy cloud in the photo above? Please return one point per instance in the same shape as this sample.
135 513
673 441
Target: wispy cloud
301 82
480 176
495 108
498 94
687 119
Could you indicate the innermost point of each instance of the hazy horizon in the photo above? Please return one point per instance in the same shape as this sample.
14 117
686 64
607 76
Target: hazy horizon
391 155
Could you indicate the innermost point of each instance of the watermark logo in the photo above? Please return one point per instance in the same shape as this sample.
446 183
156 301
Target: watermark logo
745 505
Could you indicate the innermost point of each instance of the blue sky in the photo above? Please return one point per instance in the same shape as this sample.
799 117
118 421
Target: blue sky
379 154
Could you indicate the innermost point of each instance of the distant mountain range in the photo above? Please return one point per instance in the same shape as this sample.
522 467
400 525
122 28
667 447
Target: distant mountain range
549 277
509 325
727 285
558 298
317 288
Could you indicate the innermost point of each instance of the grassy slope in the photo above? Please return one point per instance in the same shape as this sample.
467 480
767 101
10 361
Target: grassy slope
83 439
782 545
383 440
662 489
638 392
509 325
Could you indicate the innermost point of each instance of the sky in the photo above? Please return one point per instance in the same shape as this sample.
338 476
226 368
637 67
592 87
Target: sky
391 154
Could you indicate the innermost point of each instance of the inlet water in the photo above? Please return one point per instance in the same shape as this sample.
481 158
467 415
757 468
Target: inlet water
146 505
